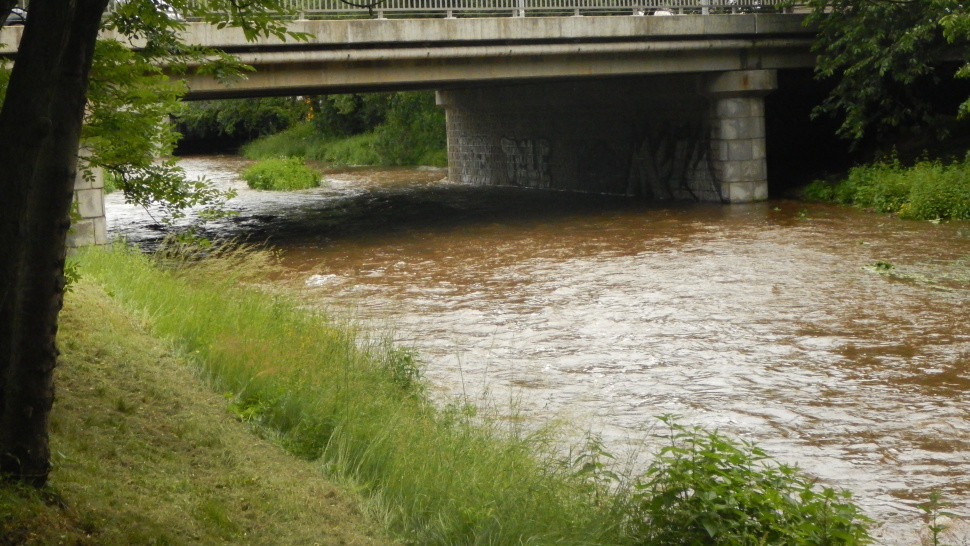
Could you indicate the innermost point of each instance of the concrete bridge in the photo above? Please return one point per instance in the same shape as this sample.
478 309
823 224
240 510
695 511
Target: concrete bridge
663 107
659 107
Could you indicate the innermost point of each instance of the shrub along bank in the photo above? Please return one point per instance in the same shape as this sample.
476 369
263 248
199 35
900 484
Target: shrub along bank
281 173
927 190
356 409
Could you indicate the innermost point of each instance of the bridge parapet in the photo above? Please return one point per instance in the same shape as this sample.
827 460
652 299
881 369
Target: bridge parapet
326 9
365 33
395 54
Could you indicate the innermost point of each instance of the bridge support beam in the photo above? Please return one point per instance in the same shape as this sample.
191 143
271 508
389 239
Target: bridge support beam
679 136
738 133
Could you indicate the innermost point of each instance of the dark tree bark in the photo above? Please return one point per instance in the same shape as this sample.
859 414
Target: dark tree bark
40 125
5 7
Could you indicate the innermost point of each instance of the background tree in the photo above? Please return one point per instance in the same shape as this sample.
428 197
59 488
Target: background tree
40 130
886 57
241 120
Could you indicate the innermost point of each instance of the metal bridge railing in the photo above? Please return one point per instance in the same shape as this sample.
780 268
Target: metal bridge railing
337 9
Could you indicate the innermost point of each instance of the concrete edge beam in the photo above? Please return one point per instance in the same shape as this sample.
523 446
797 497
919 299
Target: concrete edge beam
429 31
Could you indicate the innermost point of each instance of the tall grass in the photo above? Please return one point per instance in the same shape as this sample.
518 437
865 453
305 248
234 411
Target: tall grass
302 140
145 453
928 190
433 475
445 476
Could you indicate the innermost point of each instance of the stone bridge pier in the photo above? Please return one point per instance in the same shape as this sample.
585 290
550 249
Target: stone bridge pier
680 136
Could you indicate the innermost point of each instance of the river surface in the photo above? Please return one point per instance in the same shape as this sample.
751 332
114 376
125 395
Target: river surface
769 322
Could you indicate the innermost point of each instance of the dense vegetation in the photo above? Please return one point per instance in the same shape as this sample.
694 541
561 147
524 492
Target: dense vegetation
928 190
357 409
705 488
883 60
240 119
351 129
281 173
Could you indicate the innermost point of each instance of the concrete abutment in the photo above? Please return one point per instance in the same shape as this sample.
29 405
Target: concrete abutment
679 136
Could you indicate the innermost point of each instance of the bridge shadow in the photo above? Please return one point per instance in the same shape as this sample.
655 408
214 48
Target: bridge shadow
383 212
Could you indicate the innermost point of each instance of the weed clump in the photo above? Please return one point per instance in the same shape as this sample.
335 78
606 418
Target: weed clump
704 488
281 174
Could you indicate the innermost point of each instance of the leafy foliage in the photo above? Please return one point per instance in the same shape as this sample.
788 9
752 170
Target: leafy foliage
127 129
934 511
128 134
281 174
884 56
413 132
928 190
352 114
704 488
371 129
241 119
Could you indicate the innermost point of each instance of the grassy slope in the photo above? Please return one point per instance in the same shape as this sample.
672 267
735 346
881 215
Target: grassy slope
348 403
143 452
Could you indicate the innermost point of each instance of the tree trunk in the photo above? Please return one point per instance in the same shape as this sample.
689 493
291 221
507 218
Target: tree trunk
5 8
40 126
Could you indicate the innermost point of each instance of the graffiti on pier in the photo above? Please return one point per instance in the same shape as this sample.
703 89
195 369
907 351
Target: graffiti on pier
474 161
527 162
666 156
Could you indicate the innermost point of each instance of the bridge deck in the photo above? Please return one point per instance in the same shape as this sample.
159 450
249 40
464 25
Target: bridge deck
389 54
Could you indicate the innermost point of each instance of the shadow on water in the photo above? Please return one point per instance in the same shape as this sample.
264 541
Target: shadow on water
440 207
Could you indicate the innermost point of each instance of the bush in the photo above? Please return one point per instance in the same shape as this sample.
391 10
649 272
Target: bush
413 132
243 119
450 475
939 192
348 115
707 489
928 190
281 174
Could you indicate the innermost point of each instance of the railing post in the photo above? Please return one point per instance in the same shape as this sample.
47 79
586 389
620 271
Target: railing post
705 7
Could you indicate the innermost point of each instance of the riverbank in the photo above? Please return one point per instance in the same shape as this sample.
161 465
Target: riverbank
925 190
767 321
350 408
354 406
373 148
144 452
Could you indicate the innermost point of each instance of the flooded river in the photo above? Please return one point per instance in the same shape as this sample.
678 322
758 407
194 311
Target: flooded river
771 322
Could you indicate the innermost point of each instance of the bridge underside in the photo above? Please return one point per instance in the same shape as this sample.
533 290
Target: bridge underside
699 137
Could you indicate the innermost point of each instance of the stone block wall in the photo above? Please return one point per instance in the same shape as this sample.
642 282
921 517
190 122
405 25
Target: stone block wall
738 133
91 229
659 137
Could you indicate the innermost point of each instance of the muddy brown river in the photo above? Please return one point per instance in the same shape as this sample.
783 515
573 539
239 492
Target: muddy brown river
835 339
